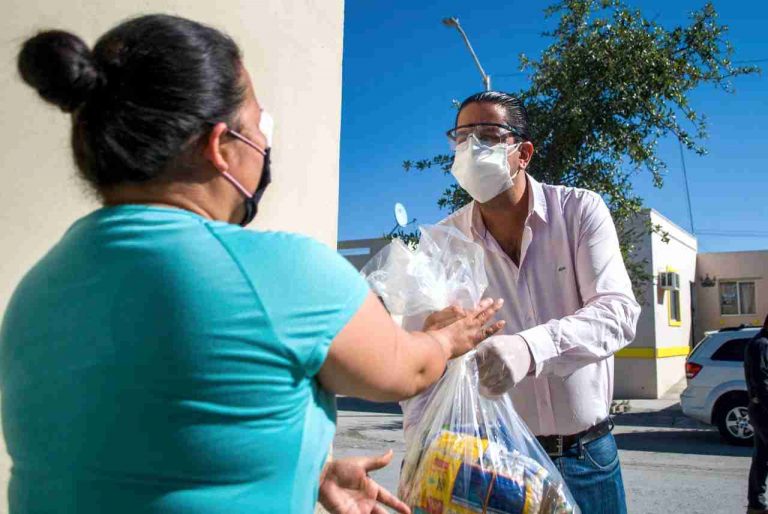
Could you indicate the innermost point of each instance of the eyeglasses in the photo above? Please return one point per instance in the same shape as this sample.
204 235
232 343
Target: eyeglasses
488 134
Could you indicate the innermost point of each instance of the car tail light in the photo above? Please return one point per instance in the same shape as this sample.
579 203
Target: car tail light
691 370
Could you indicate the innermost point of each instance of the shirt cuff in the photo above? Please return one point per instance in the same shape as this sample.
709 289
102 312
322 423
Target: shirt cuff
541 345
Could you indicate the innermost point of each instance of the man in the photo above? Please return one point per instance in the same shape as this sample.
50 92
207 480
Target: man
756 371
553 255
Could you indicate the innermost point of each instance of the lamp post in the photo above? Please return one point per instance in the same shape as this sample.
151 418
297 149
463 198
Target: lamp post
454 22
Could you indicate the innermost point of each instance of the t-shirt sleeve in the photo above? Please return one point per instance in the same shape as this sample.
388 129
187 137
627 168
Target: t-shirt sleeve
308 291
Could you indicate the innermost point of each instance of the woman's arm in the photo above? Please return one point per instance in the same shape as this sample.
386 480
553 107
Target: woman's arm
375 359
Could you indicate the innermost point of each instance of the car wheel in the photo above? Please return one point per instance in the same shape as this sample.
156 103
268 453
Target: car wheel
733 422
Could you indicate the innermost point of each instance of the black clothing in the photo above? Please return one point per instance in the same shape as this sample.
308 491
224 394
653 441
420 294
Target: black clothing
756 372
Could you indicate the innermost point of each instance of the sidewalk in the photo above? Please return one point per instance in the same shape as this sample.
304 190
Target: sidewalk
671 398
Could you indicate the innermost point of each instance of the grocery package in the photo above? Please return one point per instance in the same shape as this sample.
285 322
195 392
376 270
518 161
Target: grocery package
467 453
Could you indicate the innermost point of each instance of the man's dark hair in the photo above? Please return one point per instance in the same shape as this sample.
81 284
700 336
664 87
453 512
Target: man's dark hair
515 113
148 87
765 324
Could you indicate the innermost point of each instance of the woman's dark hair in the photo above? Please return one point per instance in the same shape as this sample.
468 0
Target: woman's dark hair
515 113
148 87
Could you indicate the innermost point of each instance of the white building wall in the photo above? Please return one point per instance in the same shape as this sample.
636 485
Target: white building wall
293 50
655 361
672 340
679 255
636 377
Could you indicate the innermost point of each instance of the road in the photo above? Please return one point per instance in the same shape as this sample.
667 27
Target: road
670 463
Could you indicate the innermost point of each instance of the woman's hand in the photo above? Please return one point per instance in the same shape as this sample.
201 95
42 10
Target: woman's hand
459 330
346 488
443 318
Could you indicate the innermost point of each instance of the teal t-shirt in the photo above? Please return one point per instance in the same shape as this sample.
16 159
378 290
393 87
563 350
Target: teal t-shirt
157 362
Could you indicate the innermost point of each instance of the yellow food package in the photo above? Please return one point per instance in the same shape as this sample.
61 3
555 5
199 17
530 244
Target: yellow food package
439 468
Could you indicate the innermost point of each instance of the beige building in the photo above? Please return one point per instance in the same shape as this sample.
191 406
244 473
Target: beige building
293 50
731 290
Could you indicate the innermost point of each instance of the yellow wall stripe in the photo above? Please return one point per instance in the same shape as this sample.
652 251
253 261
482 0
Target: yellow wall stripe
653 353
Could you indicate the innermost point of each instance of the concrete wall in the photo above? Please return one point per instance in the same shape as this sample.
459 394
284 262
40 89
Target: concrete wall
360 251
726 267
670 371
645 335
655 361
293 50
679 255
634 378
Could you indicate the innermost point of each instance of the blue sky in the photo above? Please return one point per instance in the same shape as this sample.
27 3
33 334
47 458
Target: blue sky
402 68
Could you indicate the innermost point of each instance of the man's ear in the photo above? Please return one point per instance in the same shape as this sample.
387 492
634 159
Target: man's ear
526 154
213 151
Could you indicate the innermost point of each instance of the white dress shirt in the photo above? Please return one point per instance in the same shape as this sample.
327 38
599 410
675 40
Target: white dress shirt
570 299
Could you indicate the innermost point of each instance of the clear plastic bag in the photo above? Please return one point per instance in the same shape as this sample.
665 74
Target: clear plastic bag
467 453
445 269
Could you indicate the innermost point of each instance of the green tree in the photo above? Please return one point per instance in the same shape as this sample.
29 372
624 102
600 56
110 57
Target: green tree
610 86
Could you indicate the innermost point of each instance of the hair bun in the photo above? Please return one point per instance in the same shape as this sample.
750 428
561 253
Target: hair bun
61 67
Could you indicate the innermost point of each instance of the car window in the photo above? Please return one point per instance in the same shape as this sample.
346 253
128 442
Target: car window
698 347
732 351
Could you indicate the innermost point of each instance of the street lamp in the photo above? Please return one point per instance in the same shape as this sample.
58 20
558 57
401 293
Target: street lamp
454 22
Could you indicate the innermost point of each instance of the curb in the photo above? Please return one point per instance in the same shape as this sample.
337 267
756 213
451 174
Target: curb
619 407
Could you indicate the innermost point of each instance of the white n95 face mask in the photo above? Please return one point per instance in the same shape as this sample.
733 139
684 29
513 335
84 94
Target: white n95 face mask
483 171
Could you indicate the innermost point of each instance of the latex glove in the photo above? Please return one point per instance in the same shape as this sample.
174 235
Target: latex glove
502 362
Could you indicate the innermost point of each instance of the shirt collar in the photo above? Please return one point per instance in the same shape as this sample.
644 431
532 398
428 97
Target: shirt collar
537 204
537 200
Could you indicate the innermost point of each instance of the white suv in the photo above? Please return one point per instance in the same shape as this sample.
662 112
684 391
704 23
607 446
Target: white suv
717 391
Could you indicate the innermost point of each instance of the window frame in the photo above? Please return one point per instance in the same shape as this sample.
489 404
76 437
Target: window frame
675 321
734 340
738 297
671 319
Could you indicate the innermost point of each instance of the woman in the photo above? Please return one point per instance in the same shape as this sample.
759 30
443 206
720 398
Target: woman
160 358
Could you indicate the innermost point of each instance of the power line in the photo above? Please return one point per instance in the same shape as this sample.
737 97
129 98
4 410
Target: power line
734 233
521 74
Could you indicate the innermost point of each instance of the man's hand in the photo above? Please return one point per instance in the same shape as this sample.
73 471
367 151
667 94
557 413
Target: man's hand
502 362
346 488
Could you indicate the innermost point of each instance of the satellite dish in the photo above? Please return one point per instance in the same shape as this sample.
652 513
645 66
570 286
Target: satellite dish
401 215
401 218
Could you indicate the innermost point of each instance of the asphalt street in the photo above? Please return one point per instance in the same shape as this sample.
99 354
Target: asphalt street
670 463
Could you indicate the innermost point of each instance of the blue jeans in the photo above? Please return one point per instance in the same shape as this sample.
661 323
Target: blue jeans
593 476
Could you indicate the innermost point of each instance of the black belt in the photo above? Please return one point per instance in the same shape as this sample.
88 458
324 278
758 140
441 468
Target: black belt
556 445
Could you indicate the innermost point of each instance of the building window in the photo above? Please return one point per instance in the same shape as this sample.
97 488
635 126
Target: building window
670 280
675 318
737 298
